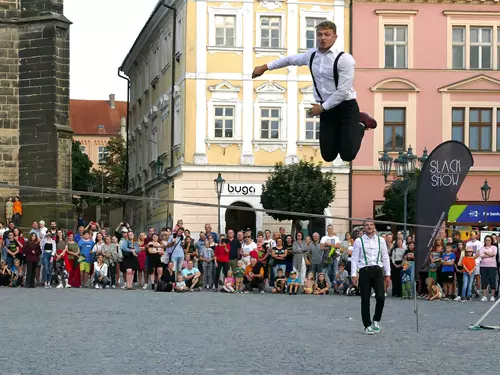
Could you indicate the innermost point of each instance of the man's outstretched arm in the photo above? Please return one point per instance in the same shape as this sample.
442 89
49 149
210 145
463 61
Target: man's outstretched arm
293 60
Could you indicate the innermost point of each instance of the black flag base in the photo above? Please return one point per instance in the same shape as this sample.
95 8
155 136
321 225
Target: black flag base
478 326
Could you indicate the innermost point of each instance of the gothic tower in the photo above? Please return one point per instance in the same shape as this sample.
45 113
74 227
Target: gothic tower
35 136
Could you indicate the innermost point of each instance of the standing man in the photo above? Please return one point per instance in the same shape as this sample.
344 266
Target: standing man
341 126
370 256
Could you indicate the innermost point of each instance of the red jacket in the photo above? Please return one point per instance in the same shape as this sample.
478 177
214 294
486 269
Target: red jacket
31 251
222 253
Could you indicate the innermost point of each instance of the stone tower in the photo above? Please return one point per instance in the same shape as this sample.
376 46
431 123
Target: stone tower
35 136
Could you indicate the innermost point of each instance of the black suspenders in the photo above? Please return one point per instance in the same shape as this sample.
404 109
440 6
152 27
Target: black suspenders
335 73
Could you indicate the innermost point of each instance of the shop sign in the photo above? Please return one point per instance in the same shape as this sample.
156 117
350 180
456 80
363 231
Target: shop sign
242 189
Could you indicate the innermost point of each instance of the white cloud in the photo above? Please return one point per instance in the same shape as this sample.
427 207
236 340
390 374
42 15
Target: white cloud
102 33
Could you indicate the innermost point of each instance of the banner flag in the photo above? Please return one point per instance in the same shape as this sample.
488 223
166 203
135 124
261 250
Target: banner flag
440 180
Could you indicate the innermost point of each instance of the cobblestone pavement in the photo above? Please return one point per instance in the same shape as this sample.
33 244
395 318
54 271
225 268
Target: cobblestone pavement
89 331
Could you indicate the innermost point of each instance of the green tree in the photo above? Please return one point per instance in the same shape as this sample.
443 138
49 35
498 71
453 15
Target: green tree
114 167
393 207
81 164
298 187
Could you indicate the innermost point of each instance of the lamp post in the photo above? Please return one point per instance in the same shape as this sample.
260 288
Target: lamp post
159 167
405 166
485 193
219 185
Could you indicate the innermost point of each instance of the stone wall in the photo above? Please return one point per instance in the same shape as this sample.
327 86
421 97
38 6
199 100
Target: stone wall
35 40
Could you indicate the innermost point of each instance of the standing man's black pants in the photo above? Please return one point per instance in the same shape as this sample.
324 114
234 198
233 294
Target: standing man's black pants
30 275
371 277
340 132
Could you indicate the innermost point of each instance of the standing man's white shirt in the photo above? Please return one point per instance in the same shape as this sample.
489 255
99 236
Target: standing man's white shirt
333 240
375 255
322 70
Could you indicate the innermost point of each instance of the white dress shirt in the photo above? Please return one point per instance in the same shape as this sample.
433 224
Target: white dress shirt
322 69
102 269
372 254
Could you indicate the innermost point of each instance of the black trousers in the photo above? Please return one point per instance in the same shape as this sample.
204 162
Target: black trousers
371 277
30 275
224 267
340 132
255 283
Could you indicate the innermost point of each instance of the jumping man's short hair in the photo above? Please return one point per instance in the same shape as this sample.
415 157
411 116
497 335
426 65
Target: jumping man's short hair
327 25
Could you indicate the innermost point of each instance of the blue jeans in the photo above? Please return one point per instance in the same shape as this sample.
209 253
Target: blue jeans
104 280
10 261
279 266
178 263
331 270
47 267
467 285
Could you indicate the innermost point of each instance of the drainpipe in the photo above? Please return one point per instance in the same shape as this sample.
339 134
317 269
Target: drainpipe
122 75
350 164
172 109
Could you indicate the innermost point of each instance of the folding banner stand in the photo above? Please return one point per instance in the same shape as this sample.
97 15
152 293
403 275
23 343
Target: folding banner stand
478 326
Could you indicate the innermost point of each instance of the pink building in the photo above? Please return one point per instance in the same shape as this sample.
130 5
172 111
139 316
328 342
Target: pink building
429 72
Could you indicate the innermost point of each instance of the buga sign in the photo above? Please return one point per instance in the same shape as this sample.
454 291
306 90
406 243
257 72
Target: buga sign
242 189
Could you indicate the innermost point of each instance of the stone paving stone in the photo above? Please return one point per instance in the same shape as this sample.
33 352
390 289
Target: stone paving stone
86 331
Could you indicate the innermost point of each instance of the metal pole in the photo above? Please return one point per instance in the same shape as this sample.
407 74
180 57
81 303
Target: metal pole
218 214
405 209
486 213
102 197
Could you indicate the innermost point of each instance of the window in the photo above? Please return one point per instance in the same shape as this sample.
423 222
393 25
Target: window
224 122
311 24
457 124
225 31
498 130
83 149
102 154
480 47
312 128
394 129
498 49
458 48
270 123
480 129
396 46
270 32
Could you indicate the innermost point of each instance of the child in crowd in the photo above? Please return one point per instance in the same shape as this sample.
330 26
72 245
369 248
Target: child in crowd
307 288
293 283
341 282
469 266
228 283
239 273
433 272
187 258
17 274
207 256
5 274
433 289
321 287
279 282
406 280
448 271
180 285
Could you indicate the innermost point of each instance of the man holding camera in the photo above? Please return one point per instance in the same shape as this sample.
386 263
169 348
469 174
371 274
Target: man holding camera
175 248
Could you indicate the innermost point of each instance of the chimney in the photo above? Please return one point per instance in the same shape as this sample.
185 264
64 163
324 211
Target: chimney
112 101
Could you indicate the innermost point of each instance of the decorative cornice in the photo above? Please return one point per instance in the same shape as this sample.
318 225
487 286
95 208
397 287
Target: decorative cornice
468 2
486 13
459 86
409 86
224 86
385 12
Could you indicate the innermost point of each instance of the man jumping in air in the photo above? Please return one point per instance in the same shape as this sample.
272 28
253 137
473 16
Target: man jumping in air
342 127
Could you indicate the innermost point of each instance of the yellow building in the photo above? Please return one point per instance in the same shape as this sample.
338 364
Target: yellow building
223 121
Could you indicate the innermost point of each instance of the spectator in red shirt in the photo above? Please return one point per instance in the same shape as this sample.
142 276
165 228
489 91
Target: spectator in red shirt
221 258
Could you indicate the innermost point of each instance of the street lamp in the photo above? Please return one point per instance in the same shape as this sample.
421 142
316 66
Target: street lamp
405 166
485 193
159 167
219 185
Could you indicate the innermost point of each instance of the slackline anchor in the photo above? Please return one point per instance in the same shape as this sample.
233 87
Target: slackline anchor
478 326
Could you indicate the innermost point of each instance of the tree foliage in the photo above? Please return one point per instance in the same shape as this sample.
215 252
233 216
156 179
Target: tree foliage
114 168
393 207
81 165
298 187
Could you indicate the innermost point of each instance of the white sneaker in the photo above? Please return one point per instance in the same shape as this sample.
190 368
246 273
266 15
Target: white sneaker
123 286
369 331
385 294
113 287
59 286
484 299
376 327
97 286
262 292
68 286
458 299
492 299
46 286
373 295
107 287
145 287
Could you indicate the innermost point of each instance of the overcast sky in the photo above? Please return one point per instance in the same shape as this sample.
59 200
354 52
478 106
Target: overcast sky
102 33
